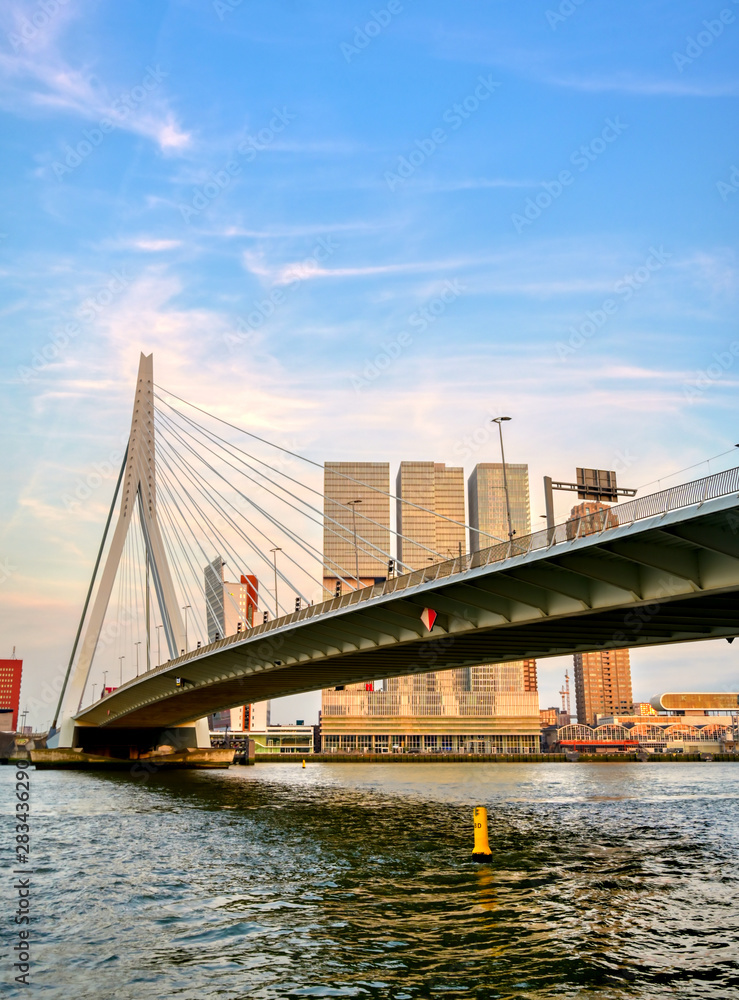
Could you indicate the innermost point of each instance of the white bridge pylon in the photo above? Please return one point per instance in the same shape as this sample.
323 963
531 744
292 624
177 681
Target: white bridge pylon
138 489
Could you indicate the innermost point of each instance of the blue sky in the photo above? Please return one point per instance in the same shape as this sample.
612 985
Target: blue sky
532 207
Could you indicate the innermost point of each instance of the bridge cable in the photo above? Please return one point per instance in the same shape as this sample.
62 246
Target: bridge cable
319 465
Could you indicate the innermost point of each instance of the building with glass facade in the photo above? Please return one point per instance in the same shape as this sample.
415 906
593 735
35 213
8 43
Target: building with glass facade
465 710
423 536
343 483
487 503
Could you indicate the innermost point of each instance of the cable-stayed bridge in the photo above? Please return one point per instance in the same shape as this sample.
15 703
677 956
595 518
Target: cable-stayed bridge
660 569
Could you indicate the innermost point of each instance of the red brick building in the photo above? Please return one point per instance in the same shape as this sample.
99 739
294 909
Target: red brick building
10 689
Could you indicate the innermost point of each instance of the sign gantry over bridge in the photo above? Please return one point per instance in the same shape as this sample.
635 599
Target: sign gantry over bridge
659 569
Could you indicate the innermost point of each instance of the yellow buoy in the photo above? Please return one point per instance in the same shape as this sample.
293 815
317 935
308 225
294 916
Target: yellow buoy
303 763
481 850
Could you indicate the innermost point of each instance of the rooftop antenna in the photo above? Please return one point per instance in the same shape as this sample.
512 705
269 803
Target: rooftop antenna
13 656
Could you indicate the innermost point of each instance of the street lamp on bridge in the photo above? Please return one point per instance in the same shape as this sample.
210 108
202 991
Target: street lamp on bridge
186 608
159 644
120 667
137 644
274 552
353 505
499 422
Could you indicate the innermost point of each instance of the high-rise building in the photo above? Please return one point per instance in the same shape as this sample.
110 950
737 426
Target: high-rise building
465 710
424 537
602 684
487 503
10 691
343 484
602 678
529 675
227 604
589 517
480 708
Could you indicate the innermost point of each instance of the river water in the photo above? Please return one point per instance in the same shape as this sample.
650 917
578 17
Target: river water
355 880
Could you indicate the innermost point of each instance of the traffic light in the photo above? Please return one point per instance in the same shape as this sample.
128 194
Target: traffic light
265 617
297 604
338 588
390 569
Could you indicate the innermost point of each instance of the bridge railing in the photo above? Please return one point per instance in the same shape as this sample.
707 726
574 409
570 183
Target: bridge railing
595 522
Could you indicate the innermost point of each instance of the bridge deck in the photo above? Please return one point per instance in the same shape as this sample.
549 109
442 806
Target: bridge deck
663 577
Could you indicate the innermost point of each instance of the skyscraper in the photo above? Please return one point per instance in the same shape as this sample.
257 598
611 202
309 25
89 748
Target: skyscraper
602 678
441 491
228 604
602 684
487 502
498 702
344 483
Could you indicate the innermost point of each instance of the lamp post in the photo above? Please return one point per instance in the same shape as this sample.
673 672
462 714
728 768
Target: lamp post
353 505
159 644
186 608
274 552
499 422
105 683
137 644
93 691
120 667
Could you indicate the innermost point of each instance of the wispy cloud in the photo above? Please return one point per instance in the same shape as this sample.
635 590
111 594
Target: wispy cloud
36 79
623 83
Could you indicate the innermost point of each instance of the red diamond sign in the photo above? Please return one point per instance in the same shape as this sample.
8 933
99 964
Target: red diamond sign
428 617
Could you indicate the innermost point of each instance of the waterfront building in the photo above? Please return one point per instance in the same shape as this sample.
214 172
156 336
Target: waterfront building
228 605
642 708
553 717
242 719
483 709
424 537
589 517
602 684
689 722
655 735
344 483
487 503
10 693
273 740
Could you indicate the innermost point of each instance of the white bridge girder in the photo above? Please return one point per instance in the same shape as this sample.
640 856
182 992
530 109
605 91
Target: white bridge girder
673 577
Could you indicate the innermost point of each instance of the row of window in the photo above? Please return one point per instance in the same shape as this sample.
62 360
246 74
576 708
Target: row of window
432 744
